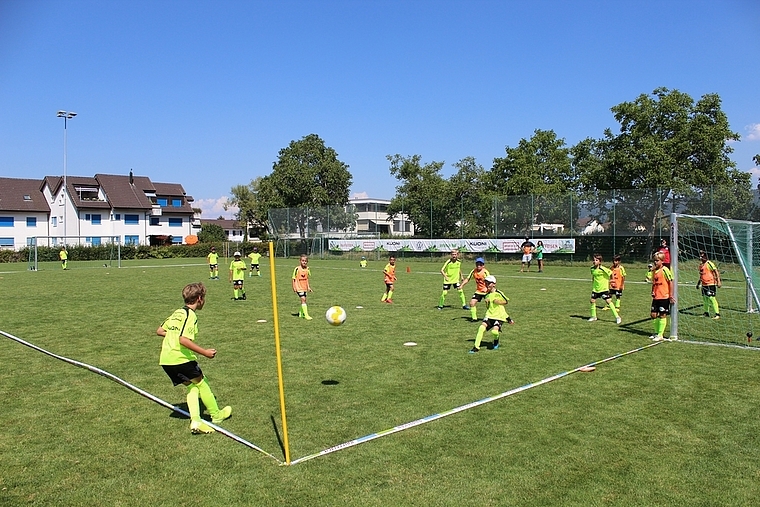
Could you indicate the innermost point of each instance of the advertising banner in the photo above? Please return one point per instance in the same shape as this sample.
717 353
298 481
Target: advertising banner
554 245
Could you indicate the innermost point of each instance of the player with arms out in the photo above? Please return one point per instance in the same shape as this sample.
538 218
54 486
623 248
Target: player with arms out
600 288
255 256
496 314
527 248
479 274
301 284
389 275
237 277
662 296
452 275
213 264
178 358
709 279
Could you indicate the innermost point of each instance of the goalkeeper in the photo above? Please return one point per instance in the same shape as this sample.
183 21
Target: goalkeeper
709 279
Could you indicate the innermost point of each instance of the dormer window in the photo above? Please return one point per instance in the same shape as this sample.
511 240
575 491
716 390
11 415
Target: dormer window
27 197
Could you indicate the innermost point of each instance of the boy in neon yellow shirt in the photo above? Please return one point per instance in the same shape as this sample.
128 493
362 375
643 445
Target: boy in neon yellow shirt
452 275
496 314
237 276
600 288
64 256
213 264
254 256
178 359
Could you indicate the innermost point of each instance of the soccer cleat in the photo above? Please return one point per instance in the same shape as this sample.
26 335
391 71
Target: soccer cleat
221 415
439 307
705 314
619 320
592 319
717 316
198 427
465 307
606 308
510 321
657 338
474 349
307 317
495 344
243 298
389 301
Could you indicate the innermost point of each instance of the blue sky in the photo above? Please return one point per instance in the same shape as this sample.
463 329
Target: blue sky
207 93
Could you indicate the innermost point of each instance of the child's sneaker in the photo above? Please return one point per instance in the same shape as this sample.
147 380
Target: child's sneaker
592 319
474 349
221 415
198 427
619 320
307 317
495 344
717 316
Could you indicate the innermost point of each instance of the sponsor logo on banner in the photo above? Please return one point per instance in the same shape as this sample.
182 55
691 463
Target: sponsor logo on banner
368 246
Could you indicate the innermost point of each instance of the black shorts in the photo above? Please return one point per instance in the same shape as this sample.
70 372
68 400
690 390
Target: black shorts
447 286
181 373
213 266
604 295
254 266
388 286
491 323
478 297
237 282
661 306
709 290
301 294
617 293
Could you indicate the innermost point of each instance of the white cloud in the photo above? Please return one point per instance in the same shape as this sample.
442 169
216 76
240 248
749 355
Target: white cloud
360 195
753 130
214 208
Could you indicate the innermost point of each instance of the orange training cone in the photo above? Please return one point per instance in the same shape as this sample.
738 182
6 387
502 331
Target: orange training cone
408 269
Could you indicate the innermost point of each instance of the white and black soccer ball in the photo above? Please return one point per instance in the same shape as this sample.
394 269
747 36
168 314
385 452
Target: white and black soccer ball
335 315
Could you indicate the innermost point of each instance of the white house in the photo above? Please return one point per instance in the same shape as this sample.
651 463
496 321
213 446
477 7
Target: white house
24 212
373 218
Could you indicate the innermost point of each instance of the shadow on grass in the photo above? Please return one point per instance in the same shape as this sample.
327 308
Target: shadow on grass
277 434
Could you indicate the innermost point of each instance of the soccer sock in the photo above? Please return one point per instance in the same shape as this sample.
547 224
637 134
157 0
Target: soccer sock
192 402
442 299
390 294
208 397
705 304
495 332
304 310
593 309
714 303
385 296
479 336
461 298
473 312
617 304
661 323
211 273
614 310
236 293
300 311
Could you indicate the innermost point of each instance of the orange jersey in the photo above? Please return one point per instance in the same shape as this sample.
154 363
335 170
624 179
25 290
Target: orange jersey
480 280
707 272
301 279
390 273
661 279
617 278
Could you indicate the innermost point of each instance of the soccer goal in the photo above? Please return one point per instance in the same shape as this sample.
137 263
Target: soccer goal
729 245
84 251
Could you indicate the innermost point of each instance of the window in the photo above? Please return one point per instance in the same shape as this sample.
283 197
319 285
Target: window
6 242
132 219
154 220
6 221
31 221
95 219
131 240
27 197
162 201
177 203
117 216
94 241
54 221
175 222
176 240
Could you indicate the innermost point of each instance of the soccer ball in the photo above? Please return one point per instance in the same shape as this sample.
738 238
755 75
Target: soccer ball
335 315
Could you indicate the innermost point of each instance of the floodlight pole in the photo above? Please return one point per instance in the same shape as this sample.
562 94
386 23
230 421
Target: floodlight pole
66 115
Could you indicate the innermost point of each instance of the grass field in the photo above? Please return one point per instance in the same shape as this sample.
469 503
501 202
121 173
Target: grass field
673 424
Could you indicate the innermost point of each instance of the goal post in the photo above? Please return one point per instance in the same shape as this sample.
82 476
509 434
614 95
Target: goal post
88 251
729 247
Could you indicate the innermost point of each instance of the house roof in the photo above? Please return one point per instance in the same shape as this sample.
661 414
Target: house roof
72 182
174 190
123 194
14 190
225 224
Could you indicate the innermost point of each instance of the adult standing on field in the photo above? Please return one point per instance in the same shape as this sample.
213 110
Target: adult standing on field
527 248
64 256
662 296
665 251
709 279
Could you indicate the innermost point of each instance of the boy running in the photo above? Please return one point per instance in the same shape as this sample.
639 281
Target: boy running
662 296
213 264
617 281
254 256
709 279
479 274
452 275
237 276
496 314
600 288
389 274
178 359
64 257
301 285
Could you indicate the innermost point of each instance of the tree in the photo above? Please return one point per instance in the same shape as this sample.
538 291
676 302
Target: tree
472 197
251 208
424 196
307 175
211 233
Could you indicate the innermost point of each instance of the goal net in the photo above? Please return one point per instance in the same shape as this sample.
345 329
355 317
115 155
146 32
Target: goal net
82 251
729 245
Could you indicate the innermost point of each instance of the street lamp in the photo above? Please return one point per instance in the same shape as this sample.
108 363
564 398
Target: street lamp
66 115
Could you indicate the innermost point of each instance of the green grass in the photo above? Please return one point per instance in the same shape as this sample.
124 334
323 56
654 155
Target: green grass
674 424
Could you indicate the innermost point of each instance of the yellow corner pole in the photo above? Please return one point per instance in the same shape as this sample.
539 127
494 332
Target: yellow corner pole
279 355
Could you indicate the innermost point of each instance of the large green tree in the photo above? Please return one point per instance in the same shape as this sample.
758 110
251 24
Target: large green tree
472 198
252 210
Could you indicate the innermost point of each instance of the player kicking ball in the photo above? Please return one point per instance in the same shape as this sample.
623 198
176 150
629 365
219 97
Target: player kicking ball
496 314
